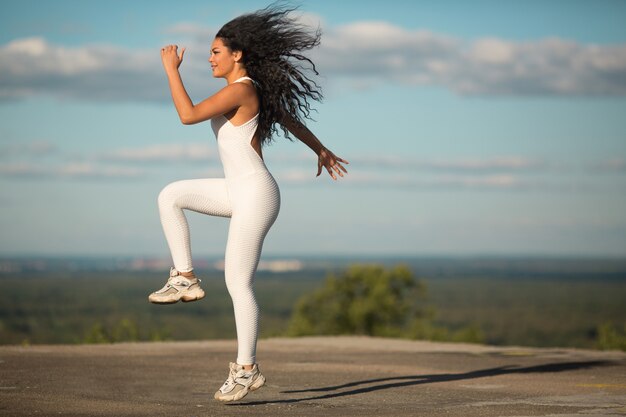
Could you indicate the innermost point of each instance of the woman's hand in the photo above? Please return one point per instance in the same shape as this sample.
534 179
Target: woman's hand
170 58
331 162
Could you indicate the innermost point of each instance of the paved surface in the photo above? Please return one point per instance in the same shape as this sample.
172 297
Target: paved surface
333 376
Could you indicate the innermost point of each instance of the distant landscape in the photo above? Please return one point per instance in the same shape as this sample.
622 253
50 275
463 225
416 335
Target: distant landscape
503 301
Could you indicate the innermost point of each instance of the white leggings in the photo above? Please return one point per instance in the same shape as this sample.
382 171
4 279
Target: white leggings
252 203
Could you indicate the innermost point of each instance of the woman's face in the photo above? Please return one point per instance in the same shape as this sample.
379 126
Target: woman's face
222 59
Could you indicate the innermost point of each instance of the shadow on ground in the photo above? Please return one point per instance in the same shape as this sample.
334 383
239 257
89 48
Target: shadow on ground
409 380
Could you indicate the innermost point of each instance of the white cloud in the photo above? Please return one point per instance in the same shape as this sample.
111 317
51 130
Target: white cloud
34 66
364 53
201 34
22 170
447 182
77 170
493 51
611 165
467 165
180 152
88 170
410 181
358 177
32 160
504 173
29 149
488 66
296 176
200 160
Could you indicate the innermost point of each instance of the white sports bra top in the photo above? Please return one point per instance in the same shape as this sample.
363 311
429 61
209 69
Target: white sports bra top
238 156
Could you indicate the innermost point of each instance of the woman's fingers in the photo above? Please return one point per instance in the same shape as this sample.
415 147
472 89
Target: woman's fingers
170 56
332 174
337 167
172 49
323 162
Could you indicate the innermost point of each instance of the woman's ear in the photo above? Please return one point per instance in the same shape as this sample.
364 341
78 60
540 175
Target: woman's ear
237 55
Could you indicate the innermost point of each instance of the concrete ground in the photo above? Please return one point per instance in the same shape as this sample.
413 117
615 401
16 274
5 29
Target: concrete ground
317 376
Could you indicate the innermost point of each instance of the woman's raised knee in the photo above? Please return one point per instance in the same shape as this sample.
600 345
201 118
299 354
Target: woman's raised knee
167 196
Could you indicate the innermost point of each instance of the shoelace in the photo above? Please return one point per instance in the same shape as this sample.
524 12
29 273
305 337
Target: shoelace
230 381
175 281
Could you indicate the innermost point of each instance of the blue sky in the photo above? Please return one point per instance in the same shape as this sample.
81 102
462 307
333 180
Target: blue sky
472 128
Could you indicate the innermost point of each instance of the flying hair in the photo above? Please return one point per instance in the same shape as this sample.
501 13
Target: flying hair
272 42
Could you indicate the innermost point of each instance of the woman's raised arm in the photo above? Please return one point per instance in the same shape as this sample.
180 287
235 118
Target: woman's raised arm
225 100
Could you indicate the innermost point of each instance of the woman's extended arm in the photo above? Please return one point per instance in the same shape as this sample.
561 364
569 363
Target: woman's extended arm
222 102
326 158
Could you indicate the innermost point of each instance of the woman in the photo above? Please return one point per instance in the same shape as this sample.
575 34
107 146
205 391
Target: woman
259 56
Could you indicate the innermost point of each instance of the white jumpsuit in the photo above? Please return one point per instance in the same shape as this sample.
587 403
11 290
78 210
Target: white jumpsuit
248 195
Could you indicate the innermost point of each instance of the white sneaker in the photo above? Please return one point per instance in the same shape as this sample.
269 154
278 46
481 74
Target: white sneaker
239 383
177 288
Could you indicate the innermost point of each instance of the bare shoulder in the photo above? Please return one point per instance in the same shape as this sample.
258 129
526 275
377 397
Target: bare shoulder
242 91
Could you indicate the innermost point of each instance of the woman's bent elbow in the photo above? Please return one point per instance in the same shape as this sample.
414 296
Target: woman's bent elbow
186 120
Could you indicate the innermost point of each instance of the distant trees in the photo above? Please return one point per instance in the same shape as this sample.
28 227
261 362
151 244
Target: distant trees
533 308
125 330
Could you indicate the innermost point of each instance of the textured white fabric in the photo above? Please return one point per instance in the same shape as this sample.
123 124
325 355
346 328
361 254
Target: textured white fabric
248 195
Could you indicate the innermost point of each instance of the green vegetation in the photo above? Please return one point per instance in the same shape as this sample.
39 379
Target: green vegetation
373 301
610 337
526 311
365 300
101 307
530 307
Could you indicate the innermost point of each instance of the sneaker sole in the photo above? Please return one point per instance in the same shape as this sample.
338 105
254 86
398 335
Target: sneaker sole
197 295
186 298
239 395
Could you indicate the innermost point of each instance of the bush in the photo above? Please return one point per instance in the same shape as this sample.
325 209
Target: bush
365 299
611 337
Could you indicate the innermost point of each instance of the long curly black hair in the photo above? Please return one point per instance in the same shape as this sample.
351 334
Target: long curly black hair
272 41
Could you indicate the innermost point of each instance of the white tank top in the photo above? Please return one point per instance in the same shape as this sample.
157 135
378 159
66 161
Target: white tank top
234 145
